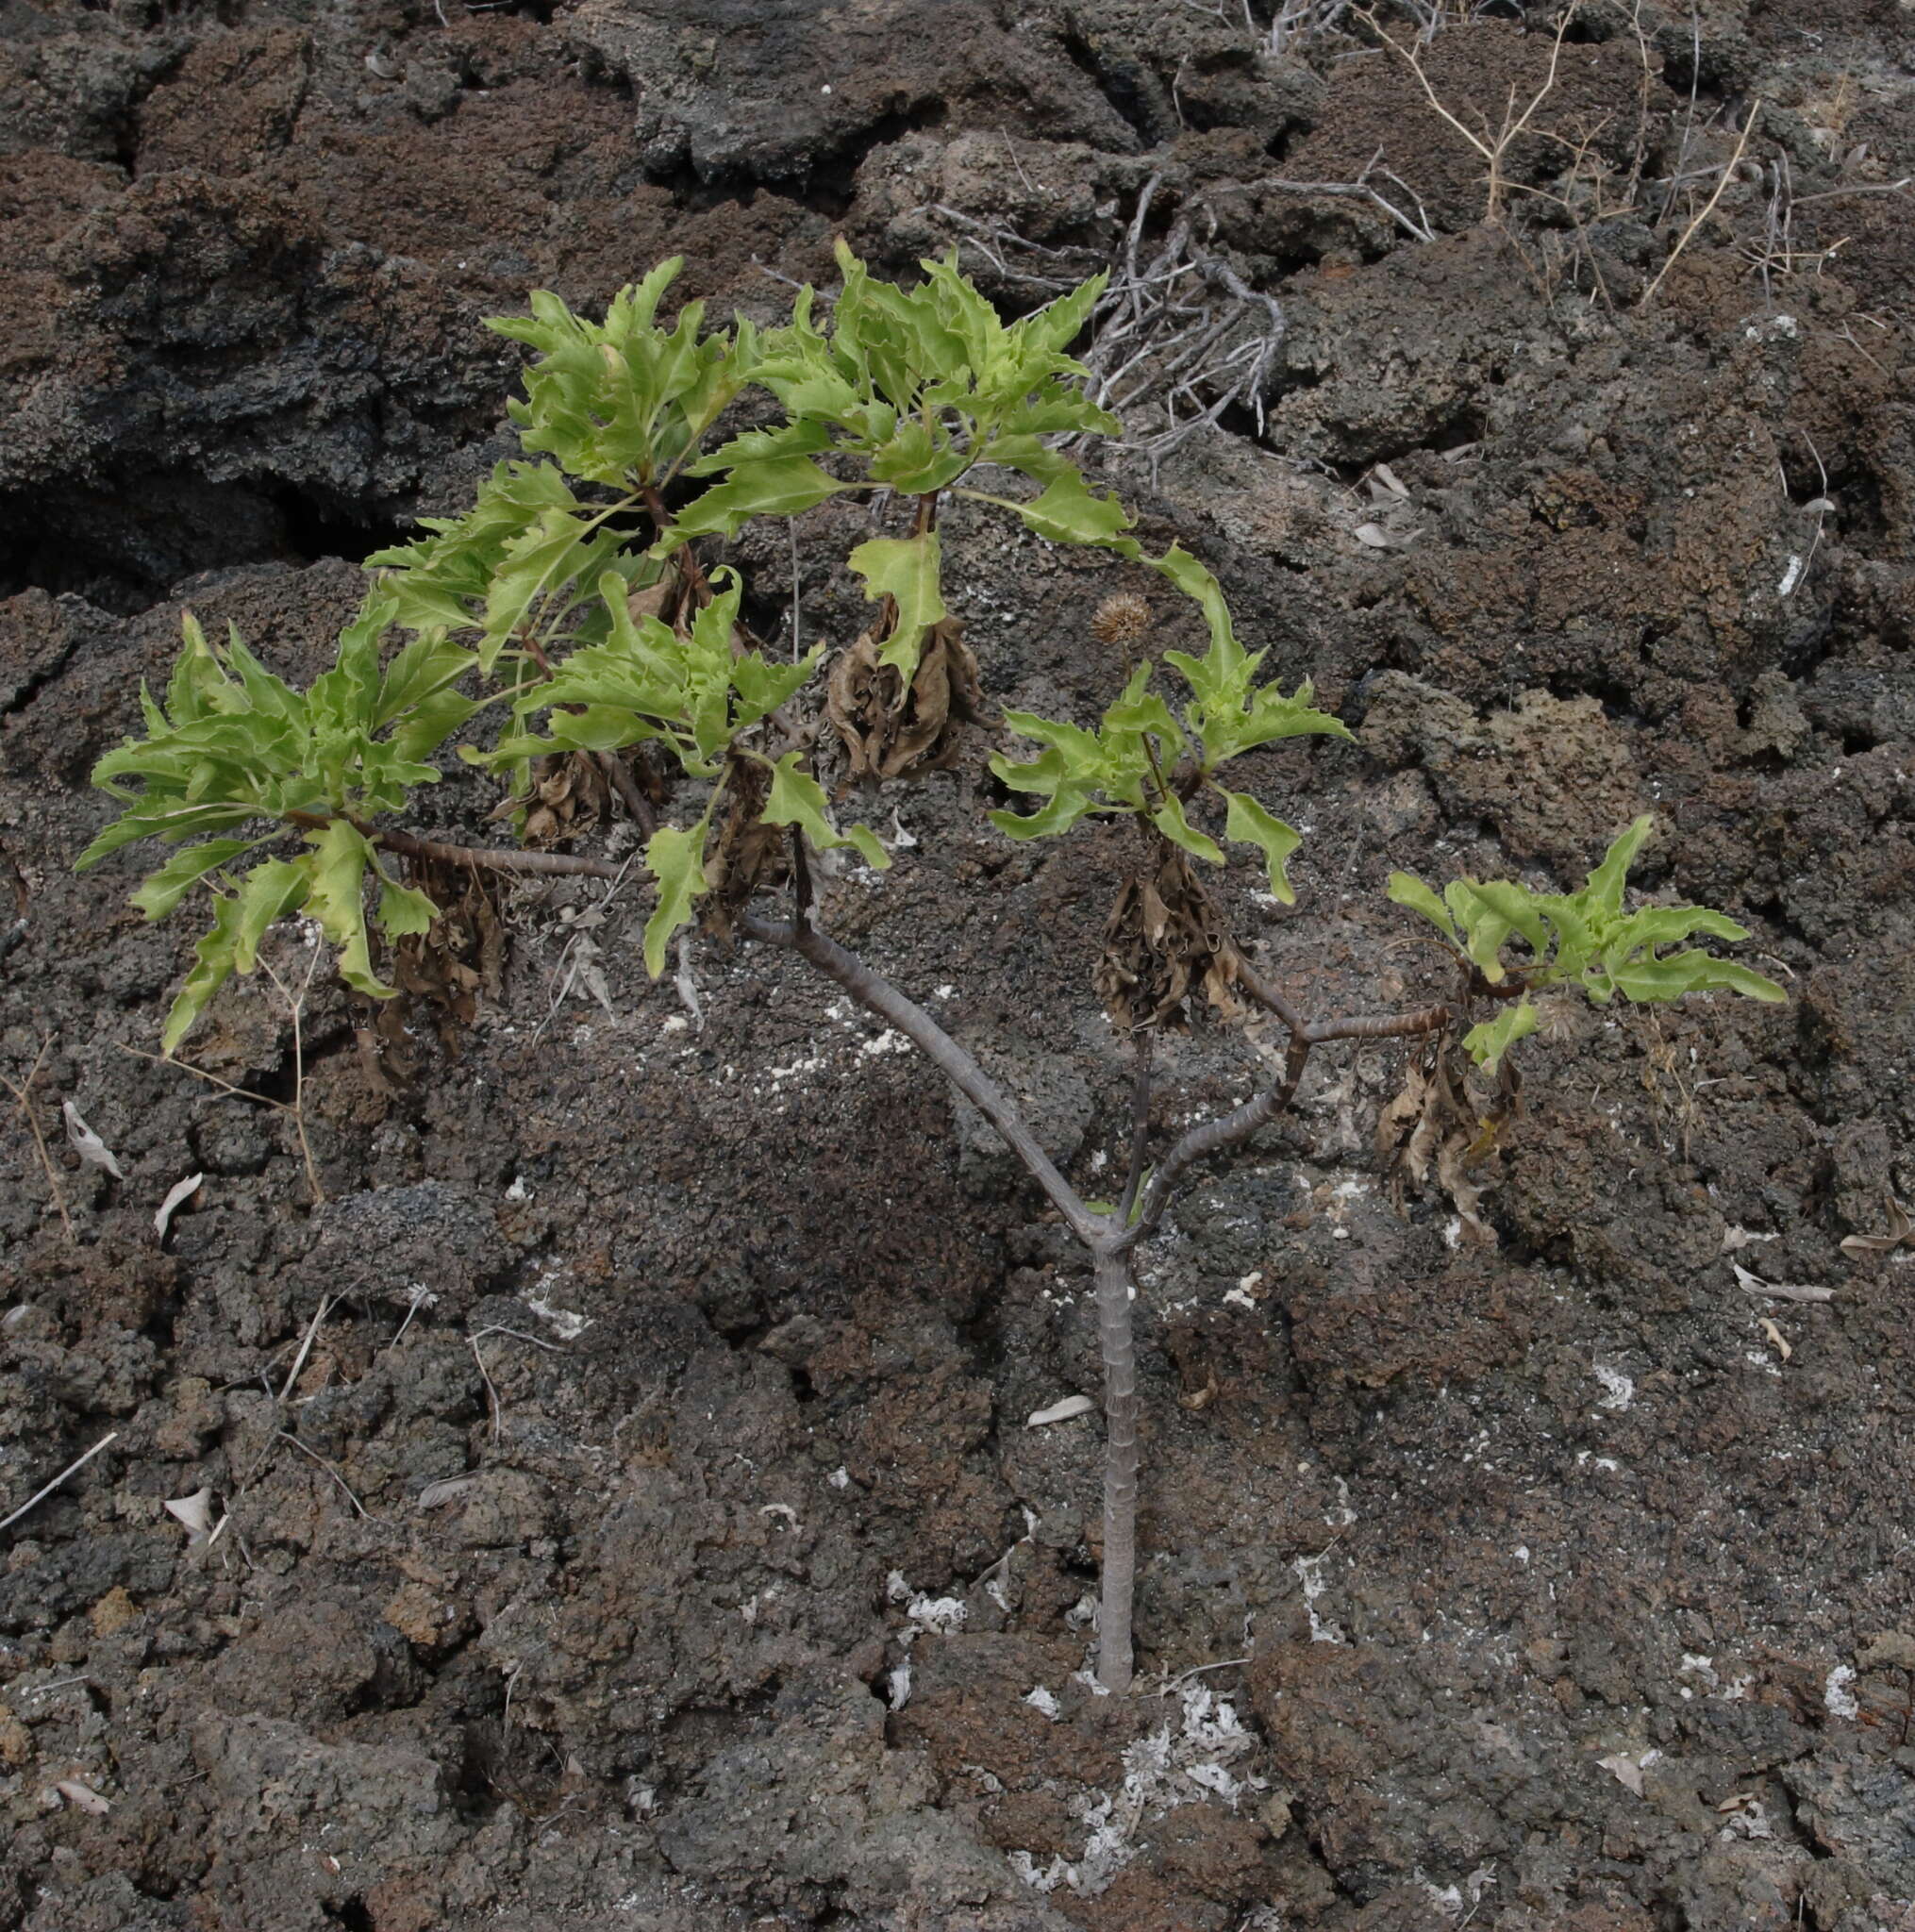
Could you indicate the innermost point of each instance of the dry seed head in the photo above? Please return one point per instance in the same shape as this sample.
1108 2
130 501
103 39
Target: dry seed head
1122 619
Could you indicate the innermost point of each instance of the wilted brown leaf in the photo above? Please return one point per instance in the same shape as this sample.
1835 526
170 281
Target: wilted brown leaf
892 732
749 855
1164 938
1437 1122
460 956
1900 1232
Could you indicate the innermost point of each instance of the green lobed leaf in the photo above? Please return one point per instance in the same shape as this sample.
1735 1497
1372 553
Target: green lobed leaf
1067 807
427 725
1656 980
1484 928
761 686
443 577
906 569
1518 909
336 898
677 861
426 668
161 890
1221 675
213 960
1140 709
172 824
779 486
1028 454
268 893
620 401
1249 824
797 799
403 909
1059 324
552 552
1486 1043
1605 888
1406 889
197 680
1168 819
1068 513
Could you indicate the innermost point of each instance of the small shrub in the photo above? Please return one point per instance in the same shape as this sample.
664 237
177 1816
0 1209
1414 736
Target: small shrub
571 593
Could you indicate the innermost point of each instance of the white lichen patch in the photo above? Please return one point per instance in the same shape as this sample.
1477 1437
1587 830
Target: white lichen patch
938 1615
1183 1763
1620 1389
567 1324
1837 1697
1309 1572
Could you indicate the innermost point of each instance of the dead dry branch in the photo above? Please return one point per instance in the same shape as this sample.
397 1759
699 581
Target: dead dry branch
22 1094
1491 144
1178 340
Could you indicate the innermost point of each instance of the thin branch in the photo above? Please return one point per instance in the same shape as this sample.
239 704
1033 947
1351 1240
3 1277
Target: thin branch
1212 1137
286 1435
312 1328
472 1341
878 995
544 864
1360 190
618 775
1382 1025
1492 147
550 864
295 1004
23 1094
1708 207
71 1468
1231 1129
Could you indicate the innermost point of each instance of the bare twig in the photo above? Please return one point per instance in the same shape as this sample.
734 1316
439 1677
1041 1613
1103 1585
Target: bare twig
1419 228
539 864
298 1367
286 1435
40 1496
484 1376
472 1341
1492 147
23 1094
618 775
1708 207
1140 1125
1214 1135
566 971
285 1106
1224 1663
295 1004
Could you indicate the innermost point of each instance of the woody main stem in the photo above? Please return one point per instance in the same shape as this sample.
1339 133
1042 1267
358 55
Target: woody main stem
1117 1583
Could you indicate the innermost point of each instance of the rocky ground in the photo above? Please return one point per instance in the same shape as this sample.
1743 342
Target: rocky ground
629 1516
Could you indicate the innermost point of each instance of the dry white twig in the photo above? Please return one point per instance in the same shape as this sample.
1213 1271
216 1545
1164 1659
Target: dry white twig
23 1094
40 1496
1708 207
